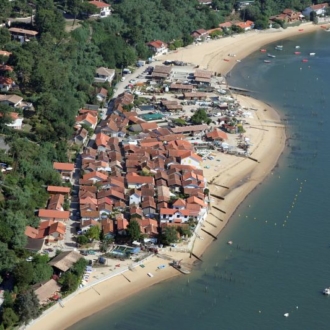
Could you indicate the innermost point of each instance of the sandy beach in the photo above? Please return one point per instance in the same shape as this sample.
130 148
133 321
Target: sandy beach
240 175
212 55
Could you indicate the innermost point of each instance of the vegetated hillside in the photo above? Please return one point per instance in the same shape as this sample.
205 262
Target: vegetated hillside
55 73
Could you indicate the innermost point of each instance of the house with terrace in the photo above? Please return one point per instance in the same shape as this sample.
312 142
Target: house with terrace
103 9
158 47
103 74
66 170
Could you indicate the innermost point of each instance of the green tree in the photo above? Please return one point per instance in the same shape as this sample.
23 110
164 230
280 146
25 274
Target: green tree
313 16
50 21
23 274
104 246
184 231
27 306
199 117
7 257
133 230
82 239
93 232
79 267
69 282
42 272
179 122
170 235
9 318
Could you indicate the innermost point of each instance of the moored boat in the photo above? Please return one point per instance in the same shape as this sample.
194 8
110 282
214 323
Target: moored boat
279 47
267 61
270 55
297 53
177 265
312 54
305 60
326 291
263 50
297 47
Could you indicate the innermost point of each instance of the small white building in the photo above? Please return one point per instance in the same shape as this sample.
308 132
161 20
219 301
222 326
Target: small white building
158 47
319 9
103 74
103 8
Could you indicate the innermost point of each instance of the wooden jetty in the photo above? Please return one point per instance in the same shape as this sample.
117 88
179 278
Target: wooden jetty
239 89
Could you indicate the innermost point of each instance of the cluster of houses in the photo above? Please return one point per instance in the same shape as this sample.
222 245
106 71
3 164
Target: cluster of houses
154 179
53 219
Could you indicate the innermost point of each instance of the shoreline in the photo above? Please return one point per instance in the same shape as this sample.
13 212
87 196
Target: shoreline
243 176
242 45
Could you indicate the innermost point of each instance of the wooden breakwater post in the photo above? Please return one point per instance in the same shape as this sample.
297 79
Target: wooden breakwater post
216 216
255 160
126 278
194 255
210 223
219 209
205 231
219 185
219 197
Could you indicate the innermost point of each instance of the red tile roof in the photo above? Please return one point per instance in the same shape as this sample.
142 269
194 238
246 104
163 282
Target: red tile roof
137 179
87 117
63 166
54 214
99 4
101 139
57 227
157 44
6 81
57 189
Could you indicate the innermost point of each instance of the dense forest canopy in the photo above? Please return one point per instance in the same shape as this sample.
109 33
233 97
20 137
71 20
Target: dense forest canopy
55 73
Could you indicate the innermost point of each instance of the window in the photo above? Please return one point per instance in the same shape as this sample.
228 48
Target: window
178 215
164 216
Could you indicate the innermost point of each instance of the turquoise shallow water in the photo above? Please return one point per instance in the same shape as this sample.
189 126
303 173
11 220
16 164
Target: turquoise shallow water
279 259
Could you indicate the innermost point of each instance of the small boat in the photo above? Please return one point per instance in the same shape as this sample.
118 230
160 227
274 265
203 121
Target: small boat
297 53
327 30
177 265
286 314
263 50
230 242
239 61
270 55
297 47
150 275
326 291
279 47
301 30
305 60
226 59
312 54
267 61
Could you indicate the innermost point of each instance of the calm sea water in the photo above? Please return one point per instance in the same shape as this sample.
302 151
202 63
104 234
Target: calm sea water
279 262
